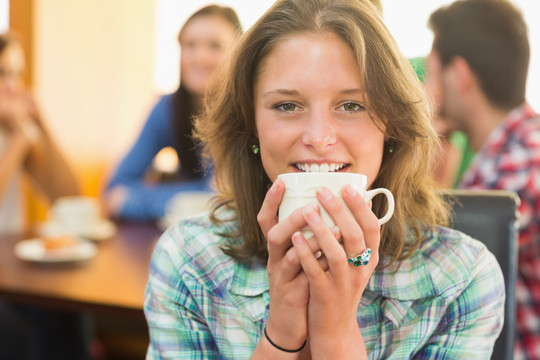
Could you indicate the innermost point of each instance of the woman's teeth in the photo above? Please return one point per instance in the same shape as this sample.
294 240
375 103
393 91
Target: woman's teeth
325 167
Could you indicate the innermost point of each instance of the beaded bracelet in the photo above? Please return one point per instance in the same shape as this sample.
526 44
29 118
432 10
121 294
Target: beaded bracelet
279 347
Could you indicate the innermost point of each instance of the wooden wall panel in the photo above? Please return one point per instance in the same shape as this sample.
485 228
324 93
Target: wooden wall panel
21 21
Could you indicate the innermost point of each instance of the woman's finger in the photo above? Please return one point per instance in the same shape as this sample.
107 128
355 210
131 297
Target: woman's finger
364 216
277 234
326 239
291 258
323 262
311 266
267 216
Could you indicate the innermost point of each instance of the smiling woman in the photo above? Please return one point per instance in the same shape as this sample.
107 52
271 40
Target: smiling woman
320 85
206 40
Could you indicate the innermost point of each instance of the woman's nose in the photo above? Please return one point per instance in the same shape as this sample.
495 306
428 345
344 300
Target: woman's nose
320 132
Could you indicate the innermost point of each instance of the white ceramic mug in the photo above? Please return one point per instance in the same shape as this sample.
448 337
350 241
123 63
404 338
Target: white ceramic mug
76 214
301 188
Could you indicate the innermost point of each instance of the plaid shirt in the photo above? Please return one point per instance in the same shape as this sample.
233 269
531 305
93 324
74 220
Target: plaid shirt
510 160
446 301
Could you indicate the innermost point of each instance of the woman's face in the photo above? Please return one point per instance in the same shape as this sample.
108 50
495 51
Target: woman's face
11 68
205 42
310 112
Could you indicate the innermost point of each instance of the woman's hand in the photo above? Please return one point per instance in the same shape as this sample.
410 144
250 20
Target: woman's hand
115 199
335 292
289 293
15 117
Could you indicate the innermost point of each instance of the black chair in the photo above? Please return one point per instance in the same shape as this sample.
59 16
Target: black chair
490 216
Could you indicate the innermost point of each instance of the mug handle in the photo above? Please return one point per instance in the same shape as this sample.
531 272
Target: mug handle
370 194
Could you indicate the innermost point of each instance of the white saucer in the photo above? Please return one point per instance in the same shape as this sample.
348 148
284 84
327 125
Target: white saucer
101 230
33 250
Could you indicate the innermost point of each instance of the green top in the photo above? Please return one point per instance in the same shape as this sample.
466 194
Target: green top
461 141
419 66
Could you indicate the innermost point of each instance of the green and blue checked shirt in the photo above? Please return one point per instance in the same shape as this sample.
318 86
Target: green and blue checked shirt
445 302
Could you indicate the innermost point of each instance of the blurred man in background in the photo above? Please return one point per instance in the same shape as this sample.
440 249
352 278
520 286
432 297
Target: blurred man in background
477 73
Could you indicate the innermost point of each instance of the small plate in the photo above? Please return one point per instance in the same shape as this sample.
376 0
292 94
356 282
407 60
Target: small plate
33 250
101 230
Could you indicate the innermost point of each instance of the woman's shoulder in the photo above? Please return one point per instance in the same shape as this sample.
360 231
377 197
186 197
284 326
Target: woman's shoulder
162 109
165 99
451 242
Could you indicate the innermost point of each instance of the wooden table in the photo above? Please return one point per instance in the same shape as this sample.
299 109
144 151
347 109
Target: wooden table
112 282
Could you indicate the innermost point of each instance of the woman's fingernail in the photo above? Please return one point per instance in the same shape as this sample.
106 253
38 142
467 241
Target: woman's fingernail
351 191
335 231
310 212
297 238
324 193
275 186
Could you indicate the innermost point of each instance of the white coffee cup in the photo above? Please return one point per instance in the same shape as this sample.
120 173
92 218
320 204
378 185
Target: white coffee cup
301 188
76 214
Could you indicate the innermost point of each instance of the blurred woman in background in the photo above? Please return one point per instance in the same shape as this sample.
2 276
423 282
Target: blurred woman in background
25 144
26 147
205 40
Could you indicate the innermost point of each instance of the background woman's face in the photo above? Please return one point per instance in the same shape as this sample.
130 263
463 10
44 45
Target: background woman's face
205 43
310 110
11 68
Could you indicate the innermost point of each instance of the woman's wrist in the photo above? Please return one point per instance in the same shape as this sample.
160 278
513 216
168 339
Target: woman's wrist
287 334
338 345
20 141
283 349
30 130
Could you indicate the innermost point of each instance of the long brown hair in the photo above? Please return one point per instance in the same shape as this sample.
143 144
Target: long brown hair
228 126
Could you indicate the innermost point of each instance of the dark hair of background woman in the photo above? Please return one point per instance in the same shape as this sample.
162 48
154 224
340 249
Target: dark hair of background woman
6 39
183 111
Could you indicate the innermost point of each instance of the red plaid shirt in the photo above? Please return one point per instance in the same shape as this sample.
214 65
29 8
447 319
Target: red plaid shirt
510 160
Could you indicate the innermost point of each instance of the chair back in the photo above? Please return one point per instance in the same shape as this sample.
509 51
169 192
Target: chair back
490 216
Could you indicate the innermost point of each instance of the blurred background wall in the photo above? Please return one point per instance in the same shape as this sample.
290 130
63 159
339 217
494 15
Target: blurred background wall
97 67
93 65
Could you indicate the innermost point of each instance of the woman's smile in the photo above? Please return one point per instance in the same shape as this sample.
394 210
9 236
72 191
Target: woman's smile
323 167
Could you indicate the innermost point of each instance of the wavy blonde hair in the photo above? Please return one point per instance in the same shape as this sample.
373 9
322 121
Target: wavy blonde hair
227 128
